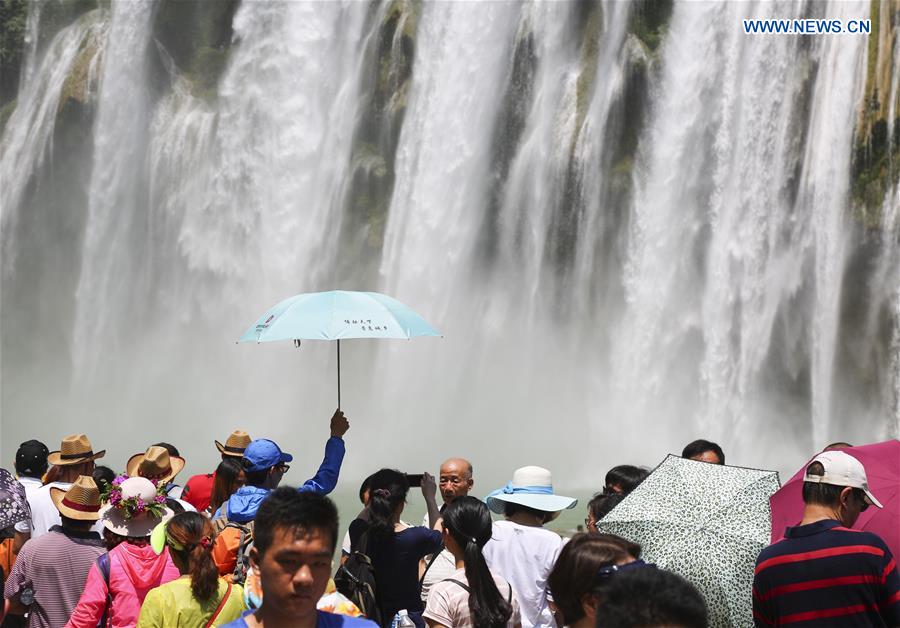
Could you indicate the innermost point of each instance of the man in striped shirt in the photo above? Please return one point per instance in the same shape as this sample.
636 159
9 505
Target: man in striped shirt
822 573
50 571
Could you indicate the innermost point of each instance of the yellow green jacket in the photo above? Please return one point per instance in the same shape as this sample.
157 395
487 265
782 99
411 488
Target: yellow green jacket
173 604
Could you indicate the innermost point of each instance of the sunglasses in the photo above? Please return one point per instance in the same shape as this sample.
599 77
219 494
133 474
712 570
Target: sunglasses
283 468
863 499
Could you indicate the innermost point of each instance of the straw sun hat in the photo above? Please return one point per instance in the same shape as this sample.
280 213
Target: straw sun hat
235 444
81 501
154 464
531 487
74 449
117 520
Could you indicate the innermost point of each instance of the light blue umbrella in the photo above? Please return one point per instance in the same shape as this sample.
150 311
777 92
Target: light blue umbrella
338 315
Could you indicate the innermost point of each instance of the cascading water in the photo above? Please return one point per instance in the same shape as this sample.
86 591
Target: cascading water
634 228
738 247
113 251
28 136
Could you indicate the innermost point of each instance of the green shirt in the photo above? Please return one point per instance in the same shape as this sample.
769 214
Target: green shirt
174 604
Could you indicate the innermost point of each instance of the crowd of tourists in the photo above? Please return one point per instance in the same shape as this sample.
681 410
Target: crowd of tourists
92 547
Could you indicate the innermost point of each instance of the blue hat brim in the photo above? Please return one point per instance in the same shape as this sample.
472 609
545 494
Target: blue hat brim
544 503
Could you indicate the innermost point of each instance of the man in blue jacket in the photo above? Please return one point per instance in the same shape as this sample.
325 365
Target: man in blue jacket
264 465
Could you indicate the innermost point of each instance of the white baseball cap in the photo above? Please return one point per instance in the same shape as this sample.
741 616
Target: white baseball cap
842 469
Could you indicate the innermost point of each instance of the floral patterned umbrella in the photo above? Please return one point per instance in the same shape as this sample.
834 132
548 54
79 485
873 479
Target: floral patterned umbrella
706 522
13 505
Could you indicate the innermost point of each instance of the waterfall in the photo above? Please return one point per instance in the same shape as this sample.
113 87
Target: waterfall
268 164
891 209
633 228
27 139
32 24
113 262
737 253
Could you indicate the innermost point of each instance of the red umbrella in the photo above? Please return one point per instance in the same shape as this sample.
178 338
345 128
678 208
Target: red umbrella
882 463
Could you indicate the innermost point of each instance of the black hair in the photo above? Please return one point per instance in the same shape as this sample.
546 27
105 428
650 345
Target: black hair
175 506
602 503
817 492
225 485
510 509
172 449
103 475
699 446
650 597
626 477
363 488
255 478
300 511
572 577
76 524
468 521
387 490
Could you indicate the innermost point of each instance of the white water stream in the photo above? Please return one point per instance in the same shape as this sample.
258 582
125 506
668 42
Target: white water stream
596 309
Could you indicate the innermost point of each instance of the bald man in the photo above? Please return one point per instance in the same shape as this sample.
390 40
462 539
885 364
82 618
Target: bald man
454 480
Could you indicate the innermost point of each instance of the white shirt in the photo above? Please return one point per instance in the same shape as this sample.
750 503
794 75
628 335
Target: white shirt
31 485
44 514
524 556
443 567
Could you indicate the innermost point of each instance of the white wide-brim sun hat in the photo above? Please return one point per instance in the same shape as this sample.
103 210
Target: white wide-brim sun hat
532 487
137 526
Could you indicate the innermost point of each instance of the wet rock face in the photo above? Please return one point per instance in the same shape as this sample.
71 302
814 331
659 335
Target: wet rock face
877 141
13 16
385 89
197 35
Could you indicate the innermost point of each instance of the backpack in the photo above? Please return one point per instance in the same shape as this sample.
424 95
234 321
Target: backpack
103 565
7 556
355 580
244 532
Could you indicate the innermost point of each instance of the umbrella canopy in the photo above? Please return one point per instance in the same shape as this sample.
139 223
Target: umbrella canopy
338 315
13 505
882 464
706 522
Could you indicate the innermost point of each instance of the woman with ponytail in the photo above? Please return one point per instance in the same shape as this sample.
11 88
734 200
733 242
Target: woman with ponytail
395 547
473 595
199 597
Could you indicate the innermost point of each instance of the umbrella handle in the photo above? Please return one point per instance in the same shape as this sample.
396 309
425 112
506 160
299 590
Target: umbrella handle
339 372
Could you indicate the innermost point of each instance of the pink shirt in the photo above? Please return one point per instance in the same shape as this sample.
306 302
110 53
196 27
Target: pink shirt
133 571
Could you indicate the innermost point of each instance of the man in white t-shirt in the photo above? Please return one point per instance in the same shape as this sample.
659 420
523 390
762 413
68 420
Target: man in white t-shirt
31 465
520 549
75 457
455 480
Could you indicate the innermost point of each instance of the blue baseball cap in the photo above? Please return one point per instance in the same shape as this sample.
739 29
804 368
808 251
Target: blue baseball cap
262 454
